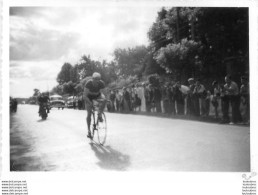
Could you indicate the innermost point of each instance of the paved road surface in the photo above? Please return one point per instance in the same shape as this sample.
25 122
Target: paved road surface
134 143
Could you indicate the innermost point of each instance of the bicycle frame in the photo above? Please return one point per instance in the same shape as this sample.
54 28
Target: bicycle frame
95 124
94 119
93 111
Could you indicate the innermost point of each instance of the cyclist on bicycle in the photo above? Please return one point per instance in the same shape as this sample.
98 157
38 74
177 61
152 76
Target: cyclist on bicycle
93 91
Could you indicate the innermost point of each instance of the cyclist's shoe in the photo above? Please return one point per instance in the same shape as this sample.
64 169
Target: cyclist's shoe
89 135
100 119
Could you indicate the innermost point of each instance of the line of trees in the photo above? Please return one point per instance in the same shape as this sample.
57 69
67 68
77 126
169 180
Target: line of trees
207 43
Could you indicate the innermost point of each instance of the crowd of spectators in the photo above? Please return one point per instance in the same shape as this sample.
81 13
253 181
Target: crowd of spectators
221 101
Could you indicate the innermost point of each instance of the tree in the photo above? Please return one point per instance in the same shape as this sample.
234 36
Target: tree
36 92
179 59
69 88
150 64
74 74
86 66
65 74
222 33
57 90
130 61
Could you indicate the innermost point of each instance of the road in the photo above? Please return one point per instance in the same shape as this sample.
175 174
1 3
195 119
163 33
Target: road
134 143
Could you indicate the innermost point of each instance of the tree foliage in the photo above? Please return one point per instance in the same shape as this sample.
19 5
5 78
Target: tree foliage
65 74
178 34
130 61
179 58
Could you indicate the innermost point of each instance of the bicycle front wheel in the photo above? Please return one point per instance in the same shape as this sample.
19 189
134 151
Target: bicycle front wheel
102 129
93 125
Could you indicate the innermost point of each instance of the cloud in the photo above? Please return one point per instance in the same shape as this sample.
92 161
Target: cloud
34 70
27 42
19 72
26 11
129 19
42 39
55 15
53 33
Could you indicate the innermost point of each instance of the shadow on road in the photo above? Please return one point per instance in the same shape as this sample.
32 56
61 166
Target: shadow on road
41 120
110 158
22 154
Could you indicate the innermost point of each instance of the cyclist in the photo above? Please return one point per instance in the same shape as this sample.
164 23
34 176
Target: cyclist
93 91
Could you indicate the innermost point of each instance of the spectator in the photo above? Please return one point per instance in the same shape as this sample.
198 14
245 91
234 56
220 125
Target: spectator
148 94
200 92
224 105
171 96
245 99
137 103
118 101
194 99
140 92
185 90
207 103
74 102
232 92
139 96
165 99
157 99
189 102
112 98
215 97
132 97
126 100
179 99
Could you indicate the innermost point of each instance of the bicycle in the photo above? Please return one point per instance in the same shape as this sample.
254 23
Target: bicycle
96 125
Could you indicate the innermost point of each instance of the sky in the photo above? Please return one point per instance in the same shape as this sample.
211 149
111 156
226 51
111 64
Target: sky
42 39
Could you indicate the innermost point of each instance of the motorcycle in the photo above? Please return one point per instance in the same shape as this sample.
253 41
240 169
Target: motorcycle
43 111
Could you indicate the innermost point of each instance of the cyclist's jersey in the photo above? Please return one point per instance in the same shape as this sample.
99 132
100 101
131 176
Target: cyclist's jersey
94 88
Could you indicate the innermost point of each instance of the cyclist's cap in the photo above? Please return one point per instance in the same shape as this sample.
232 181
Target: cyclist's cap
96 75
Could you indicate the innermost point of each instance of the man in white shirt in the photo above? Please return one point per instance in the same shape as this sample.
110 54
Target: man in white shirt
200 91
232 92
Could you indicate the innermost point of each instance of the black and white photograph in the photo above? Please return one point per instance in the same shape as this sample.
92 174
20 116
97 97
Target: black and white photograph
124 88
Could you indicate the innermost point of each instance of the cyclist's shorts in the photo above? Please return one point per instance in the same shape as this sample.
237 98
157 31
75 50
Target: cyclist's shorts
96 98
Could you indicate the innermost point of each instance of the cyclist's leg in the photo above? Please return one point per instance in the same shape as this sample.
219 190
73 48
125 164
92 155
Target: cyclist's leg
88 118
102 103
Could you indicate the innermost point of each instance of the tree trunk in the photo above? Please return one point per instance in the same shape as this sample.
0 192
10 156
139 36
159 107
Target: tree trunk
177 25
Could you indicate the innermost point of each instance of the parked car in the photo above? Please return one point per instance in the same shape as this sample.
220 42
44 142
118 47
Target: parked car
71 102
57 101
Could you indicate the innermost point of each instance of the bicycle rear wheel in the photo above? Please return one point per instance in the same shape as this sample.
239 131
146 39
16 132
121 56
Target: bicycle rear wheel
102 130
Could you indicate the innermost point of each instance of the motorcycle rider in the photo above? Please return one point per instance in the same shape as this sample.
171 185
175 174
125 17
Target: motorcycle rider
43 99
